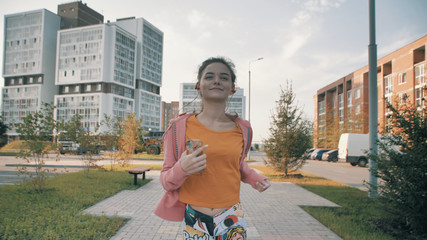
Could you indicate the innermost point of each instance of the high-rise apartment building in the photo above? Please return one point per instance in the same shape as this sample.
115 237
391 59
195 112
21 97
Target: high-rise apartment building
190 101
343 106
95 73
148 70
87 68
169 112
78 14
28 63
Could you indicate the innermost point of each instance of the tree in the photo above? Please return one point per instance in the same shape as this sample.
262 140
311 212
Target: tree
403 171
129 138
37 132
3 129
290 135
86 141
111 134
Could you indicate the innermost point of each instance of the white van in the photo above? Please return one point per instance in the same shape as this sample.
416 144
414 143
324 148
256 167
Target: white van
353 147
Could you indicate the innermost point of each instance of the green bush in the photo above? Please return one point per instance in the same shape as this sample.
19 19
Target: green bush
404 171
56 213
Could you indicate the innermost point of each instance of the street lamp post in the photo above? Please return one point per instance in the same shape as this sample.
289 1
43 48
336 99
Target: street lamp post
249 89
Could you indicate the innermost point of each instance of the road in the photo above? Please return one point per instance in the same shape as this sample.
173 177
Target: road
340 172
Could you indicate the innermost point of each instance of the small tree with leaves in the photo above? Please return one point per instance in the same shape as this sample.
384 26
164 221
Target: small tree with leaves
3 129
129 138
290 135
87 142
403 171
111 133
37 130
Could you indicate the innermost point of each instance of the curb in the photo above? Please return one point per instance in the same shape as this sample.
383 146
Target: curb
49 166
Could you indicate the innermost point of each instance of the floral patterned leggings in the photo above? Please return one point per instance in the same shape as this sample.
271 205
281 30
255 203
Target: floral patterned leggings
229 224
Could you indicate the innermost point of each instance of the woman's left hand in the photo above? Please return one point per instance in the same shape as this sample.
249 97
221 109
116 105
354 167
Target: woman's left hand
262 186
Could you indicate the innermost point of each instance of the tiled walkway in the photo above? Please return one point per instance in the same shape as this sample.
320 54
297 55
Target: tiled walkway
274 214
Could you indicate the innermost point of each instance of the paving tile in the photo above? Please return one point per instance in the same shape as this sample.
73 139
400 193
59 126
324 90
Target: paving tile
273 214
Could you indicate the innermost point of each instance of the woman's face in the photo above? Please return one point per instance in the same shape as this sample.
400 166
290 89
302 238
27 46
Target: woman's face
216 83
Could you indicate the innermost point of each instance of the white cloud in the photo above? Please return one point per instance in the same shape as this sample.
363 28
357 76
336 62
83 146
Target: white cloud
195 18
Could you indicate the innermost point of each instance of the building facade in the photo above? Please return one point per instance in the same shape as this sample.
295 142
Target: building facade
190 101
148 70
343 106
87 68
95 73
169 112
28 64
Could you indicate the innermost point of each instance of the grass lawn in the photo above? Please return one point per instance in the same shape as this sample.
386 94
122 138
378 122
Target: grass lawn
353 220
56 213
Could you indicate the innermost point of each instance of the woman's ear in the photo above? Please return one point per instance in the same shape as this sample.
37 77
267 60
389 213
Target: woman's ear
197 87
233 90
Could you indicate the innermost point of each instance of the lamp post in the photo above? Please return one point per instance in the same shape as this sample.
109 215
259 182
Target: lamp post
249 109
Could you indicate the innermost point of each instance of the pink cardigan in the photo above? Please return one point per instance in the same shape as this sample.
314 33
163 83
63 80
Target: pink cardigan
172 176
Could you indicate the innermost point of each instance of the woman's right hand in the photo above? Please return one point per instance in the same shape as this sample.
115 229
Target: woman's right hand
193 162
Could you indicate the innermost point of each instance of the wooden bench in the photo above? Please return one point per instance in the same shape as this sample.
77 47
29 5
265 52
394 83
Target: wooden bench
136 171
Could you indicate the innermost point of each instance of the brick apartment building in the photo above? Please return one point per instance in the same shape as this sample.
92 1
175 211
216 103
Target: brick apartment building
169 112
343 106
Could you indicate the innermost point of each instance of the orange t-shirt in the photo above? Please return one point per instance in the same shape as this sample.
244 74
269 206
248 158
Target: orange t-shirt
218 186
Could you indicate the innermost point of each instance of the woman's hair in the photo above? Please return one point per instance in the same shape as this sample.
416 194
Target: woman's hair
227 62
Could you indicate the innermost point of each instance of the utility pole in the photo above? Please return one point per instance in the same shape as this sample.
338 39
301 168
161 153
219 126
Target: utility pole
249 114
373 102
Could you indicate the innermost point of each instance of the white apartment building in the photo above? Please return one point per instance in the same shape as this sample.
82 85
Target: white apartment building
28 63
189 101
95 73
149 63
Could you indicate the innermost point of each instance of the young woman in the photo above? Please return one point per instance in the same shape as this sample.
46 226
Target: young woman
203 187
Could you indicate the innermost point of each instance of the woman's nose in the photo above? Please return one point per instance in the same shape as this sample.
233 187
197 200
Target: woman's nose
217 79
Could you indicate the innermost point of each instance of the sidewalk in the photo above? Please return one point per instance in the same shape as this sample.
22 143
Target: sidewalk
274 214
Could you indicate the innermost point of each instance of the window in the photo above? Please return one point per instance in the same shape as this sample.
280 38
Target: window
65 73
420 74
402 98
88 88
30 80
98 87
357 93
66 89
388 85
419 95
349 98
402 78
77 89
322 109
357 110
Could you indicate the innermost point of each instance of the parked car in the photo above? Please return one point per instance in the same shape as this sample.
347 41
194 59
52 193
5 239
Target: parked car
317 154
307 153
330 156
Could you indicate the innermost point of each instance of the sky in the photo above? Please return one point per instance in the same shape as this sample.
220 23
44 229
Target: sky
308 43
